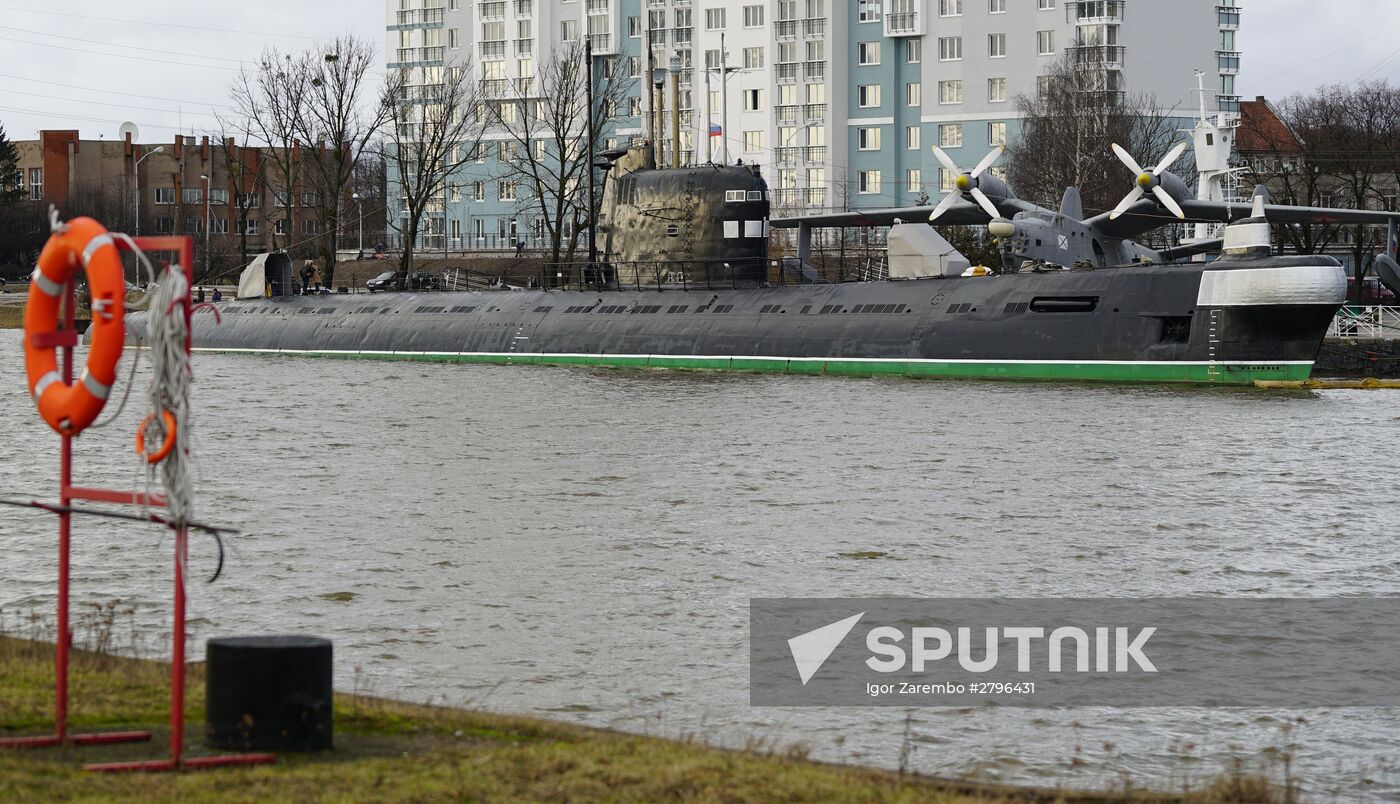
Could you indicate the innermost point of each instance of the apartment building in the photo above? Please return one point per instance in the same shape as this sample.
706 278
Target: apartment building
839 101
174 187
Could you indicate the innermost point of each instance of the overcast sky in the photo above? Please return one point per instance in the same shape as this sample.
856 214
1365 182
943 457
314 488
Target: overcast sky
63 62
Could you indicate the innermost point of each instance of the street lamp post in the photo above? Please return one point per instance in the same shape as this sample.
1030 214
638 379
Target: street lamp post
360 216
205 176
136 174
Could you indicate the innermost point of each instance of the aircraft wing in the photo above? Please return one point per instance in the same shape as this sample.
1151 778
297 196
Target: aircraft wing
1144 216
963 213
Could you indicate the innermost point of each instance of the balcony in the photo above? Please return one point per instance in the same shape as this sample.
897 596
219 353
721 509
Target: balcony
906 23
814 112
419 18
786 115
658 37
785 29
1107 56
787 73
1228 103
683 36
816 196
814 28
493 50
524 8
524 47
415 56
495 87
814 153
1228 17
815 70
1095 12
1227 61
602 43
523 85
786 156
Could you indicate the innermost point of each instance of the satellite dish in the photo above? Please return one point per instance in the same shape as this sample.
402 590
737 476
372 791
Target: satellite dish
128 128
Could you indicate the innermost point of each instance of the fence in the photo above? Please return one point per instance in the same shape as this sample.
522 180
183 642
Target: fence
1366 322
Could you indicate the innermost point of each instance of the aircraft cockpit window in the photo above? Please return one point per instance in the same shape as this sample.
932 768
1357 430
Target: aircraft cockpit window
731 196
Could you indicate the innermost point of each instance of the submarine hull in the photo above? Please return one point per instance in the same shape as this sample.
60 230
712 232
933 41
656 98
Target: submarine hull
1227 322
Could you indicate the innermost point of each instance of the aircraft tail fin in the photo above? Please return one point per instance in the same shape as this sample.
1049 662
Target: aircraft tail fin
1071 206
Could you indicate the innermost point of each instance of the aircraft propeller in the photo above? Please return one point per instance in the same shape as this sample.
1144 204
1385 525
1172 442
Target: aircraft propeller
967 183
1148 181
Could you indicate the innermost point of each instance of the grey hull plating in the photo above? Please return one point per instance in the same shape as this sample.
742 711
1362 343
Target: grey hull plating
1117 320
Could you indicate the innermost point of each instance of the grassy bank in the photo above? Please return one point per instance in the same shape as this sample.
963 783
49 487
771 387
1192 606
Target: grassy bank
393 751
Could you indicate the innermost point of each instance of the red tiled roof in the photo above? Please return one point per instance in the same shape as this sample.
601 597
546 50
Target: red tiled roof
1261 130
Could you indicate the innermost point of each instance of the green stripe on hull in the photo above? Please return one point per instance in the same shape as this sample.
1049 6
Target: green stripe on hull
1087 371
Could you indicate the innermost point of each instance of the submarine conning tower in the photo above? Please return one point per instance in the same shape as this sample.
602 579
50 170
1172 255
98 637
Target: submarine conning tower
683 225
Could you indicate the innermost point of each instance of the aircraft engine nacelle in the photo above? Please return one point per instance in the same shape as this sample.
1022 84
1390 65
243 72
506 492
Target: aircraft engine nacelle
994 187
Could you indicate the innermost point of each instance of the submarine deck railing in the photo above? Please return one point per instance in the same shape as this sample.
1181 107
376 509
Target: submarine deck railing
652 275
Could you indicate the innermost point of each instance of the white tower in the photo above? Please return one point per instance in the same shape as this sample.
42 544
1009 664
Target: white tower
1213 142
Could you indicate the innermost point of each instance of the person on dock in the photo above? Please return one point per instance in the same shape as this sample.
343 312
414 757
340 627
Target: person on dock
218 295
199 296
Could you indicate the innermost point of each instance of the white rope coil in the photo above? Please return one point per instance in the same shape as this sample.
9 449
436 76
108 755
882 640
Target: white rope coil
167 332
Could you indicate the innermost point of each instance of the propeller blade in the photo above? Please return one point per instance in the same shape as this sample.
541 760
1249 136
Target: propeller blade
1168 202
1169 158
985 203
946 161
1127 159
987 161
948 201
1128 201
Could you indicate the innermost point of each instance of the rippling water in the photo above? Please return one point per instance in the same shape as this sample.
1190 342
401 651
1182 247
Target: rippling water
583 544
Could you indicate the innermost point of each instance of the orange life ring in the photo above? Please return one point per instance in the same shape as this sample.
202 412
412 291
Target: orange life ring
69 409
159 455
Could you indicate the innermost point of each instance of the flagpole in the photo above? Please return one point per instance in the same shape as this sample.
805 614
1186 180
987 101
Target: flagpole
709 120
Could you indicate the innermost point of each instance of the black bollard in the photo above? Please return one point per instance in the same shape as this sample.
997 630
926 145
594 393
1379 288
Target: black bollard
268 693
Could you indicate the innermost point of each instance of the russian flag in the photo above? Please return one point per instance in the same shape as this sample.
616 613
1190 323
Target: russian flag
715 130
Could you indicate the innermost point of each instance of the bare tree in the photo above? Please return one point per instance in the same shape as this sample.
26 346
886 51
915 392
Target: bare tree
1069 127
544 122
431 124
271 101
247 176
338 123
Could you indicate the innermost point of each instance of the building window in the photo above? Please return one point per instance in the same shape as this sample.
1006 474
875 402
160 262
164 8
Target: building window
1045 5
311 199
950 8
714 19
868 52
868 138
281 199
164 195
753 140
913 50
1227 85
568 30
913 178
1043 84
1388 202
192 195
218 225
1045 43
248 200
753 16
869 181
248 227
868 96
950 92
911 138
753 100
36 184
753 58
945 180
866 11
165 225
634 27
950 135
453 38
507 191
996 46
479 191
913 94
950 48
279 226
996 90
996 6
218 196
309 227
996 133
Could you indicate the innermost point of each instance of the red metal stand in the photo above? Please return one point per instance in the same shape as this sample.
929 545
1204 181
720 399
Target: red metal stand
67 339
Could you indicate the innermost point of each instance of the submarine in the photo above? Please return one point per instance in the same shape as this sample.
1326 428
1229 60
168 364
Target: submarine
684 281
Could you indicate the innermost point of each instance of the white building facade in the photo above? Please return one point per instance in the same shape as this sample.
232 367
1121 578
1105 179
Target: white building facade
839 101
